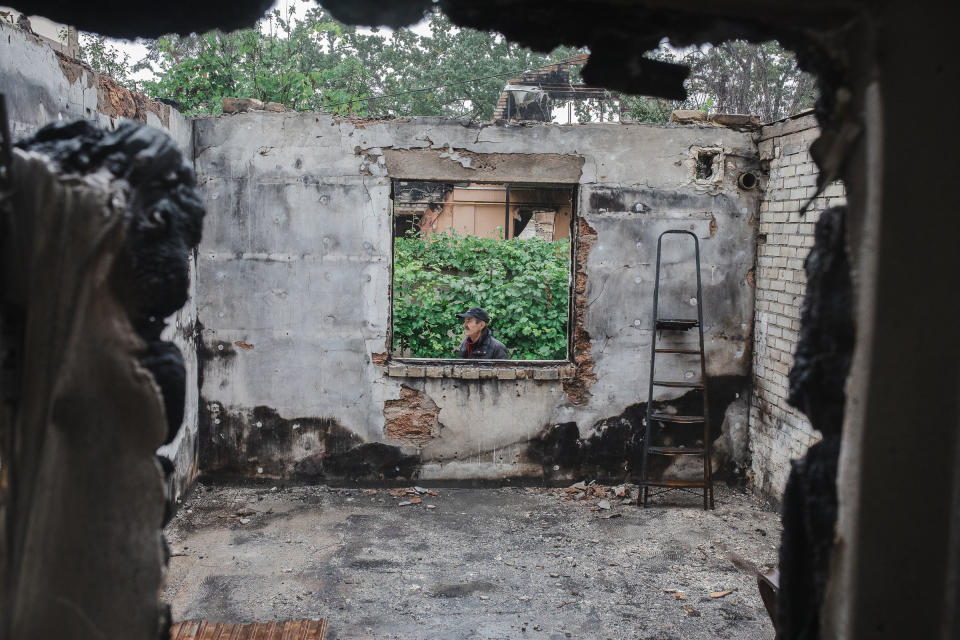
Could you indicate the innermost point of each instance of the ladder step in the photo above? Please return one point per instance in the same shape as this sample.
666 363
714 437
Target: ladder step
667 417
689 385
695 352
677 451
674 483
676 324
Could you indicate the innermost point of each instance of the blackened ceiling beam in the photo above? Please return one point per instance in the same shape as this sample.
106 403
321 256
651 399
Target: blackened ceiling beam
126 19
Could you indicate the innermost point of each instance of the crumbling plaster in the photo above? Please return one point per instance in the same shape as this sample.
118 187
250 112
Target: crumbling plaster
296 262
43 86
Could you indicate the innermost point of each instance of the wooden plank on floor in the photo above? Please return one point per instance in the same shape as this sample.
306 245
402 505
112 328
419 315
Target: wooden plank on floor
287 630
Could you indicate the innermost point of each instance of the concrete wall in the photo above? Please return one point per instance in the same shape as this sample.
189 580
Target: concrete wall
294 298
779 432
43 86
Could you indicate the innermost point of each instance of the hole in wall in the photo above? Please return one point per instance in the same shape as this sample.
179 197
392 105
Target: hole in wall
747 181
705 160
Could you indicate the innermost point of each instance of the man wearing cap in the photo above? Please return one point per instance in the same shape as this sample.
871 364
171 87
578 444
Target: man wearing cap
478 342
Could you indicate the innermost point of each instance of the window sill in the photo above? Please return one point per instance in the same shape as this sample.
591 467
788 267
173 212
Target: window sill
484 370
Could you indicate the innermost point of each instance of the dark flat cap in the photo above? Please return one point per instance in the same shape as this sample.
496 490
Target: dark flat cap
475 312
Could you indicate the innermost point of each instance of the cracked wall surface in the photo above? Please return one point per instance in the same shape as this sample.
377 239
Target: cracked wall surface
296 260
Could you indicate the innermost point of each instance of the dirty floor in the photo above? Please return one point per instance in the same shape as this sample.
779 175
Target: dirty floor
474 563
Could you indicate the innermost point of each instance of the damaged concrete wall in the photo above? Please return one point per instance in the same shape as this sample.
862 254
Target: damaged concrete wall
294 297
779 432
42 85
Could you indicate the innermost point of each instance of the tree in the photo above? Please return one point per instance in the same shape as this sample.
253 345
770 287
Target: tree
106 59
318 64
451 72
733 77
304 65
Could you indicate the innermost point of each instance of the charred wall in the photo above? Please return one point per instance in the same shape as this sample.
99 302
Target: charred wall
296 266
613 450
41 86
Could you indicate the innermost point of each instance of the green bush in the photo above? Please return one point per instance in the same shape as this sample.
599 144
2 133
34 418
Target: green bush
523 285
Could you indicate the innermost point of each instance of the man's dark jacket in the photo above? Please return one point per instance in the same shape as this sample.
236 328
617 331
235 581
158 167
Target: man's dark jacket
486 348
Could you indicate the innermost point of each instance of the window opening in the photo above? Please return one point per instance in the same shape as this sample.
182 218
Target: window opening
504 248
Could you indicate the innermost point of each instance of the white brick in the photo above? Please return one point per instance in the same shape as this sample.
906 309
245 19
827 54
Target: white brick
834 189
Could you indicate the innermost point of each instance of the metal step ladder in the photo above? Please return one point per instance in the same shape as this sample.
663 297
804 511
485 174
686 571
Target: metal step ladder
677 325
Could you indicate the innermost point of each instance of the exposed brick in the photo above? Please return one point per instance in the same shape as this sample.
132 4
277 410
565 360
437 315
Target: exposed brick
578 386
412 418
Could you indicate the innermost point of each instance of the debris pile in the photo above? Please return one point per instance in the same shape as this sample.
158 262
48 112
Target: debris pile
408 496
243 105
597 497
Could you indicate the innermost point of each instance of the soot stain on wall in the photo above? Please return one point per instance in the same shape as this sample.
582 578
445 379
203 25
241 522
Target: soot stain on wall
259 443
618 199
614 450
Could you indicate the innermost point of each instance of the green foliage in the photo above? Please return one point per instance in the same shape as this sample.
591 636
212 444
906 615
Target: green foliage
462 71
647 109
306 65
732 77
104 58
315 63
523 285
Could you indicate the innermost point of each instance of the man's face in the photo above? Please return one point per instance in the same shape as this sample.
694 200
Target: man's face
472 328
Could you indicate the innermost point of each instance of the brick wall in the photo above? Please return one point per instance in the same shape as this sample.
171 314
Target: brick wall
779 432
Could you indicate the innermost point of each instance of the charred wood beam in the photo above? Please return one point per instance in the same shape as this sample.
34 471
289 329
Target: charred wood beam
817 382
97 230
120 19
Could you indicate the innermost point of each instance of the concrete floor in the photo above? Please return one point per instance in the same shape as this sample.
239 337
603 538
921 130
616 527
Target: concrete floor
482 563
